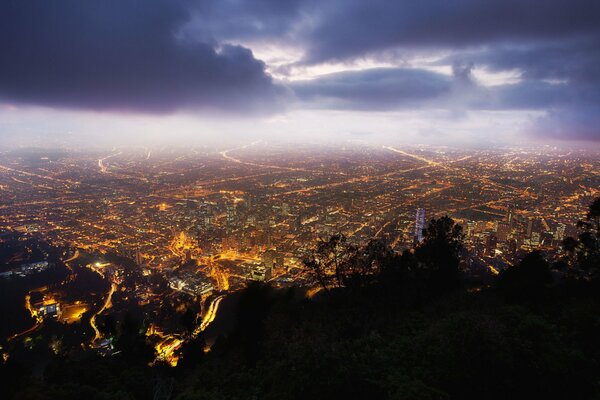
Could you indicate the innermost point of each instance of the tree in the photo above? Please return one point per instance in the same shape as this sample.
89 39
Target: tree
533 270
188 320
587 245
336 263
593 215
329 261
365 265
569 244
132 341
108 325
439 254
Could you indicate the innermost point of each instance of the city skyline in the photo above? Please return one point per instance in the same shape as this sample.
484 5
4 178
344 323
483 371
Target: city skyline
206 222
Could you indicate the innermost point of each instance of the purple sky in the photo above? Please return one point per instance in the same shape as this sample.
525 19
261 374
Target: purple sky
463 71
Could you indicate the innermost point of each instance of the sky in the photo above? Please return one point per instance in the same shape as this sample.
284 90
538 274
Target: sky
462 72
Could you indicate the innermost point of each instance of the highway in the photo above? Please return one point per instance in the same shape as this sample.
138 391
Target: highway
39 320
107 304
72 273
49 178
209 316
226 156
104 168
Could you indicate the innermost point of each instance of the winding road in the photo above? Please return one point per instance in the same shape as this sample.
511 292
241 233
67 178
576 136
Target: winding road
107 304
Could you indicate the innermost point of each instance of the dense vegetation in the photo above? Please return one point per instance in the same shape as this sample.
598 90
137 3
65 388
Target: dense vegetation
386 326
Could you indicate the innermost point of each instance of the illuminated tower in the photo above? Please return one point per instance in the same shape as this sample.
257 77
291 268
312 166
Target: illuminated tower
560 232
510 215
502 231
202 215
419 224
139 258
230 214
268 258
529 227
470 228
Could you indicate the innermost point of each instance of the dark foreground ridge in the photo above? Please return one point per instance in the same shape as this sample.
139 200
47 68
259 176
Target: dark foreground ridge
384 326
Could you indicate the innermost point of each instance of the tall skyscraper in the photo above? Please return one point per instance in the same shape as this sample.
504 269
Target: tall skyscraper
529 227
230 214
470 228
419 224
502 231
510 215
559 234
139 258
268 257
490 245
535 239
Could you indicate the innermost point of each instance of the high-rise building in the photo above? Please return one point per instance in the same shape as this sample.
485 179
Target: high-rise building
139 258
510 215
490 245
205 215
529 227
230 214
268 258
535 239
559 234
280 260
419 224
512 247
470 228
502 231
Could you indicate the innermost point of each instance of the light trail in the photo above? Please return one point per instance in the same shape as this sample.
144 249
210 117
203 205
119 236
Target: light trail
235 160
310 293
107 304
73 257
226 156
72 274
483 179
425 160
364 179
104 168
209 316
50 178
34 314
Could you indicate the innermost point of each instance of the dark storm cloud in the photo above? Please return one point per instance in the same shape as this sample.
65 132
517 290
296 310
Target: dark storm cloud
552 43
123 55
560 77
406 88
242 20
574 59
344 29
352 28
373 89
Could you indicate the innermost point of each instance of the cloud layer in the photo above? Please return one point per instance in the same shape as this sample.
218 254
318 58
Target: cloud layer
160 56
123 55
